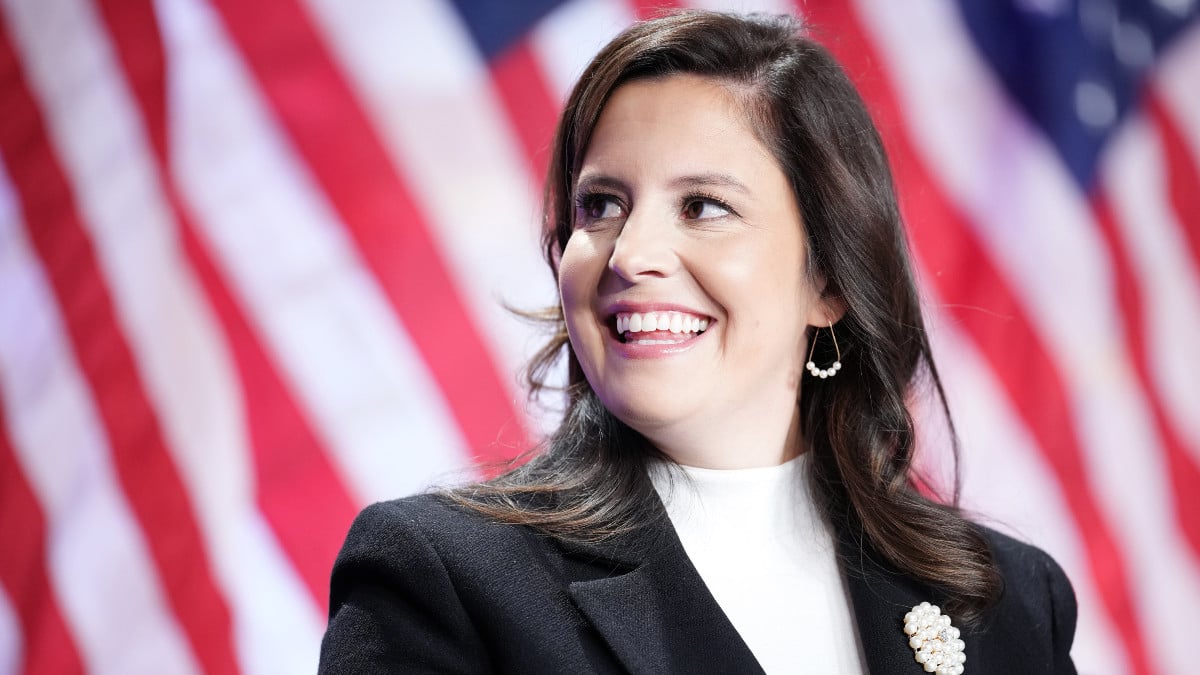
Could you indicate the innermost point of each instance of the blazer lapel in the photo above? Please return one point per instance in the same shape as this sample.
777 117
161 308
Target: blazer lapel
645 598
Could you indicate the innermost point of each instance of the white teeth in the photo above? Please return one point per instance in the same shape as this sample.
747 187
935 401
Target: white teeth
675 322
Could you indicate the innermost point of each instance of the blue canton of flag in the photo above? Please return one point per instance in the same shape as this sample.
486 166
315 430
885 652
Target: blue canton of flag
1076 67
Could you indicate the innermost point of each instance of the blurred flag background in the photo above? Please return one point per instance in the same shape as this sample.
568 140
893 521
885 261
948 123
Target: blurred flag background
254 256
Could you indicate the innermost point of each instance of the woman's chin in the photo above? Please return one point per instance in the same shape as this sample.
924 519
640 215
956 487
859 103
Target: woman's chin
651 418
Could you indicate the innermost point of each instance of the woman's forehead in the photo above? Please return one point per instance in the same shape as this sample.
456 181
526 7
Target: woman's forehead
689 124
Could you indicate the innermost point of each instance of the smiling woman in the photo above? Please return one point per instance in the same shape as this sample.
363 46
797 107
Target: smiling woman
720 218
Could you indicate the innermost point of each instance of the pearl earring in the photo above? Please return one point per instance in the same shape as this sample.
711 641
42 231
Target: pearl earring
831 370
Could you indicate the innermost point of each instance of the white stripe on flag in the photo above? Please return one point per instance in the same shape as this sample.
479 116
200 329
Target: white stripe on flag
445 132
1134 177
92 120
1175 79
99 567
11 647
567 39
319 313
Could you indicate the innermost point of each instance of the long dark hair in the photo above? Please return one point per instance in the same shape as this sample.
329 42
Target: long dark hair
589 481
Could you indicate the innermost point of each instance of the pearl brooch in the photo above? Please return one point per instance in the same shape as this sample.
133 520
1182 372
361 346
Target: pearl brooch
934 640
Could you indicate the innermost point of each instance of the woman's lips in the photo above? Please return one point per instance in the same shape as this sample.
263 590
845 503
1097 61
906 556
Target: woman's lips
654 334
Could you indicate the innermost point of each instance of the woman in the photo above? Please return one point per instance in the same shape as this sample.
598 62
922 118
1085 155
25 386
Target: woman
730 489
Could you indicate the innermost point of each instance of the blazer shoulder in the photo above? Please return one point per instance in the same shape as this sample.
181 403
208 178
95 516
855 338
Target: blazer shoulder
1027 566
1037 592
394 601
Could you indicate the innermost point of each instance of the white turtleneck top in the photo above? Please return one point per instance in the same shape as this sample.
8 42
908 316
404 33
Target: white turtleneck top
768 558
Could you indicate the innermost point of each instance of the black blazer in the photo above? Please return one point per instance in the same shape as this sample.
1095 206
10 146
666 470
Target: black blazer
425 586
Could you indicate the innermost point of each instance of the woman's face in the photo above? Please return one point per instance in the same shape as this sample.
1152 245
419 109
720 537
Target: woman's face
683 282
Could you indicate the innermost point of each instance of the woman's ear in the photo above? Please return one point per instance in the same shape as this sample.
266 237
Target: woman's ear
834 308
829 307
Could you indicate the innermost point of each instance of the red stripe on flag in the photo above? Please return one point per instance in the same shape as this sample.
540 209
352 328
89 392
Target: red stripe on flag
1183 176
531 107
297 488
148 477
1184 476
322 116
49 647
967 281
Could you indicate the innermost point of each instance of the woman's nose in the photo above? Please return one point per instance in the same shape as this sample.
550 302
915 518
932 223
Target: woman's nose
644 248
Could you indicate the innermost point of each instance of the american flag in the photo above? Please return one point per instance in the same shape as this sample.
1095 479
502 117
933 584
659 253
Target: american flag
255 257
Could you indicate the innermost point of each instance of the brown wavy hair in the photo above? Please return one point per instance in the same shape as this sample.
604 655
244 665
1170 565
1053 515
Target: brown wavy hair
589 479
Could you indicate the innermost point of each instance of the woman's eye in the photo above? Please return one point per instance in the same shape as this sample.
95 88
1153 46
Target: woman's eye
600 207
699 209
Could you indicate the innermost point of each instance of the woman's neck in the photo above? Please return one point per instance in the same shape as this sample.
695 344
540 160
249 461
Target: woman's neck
725 445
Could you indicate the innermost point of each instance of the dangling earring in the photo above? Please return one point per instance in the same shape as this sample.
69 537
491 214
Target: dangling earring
831 370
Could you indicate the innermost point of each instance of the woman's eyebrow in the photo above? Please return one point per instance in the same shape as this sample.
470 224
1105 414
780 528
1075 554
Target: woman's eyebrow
710 180
596 180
